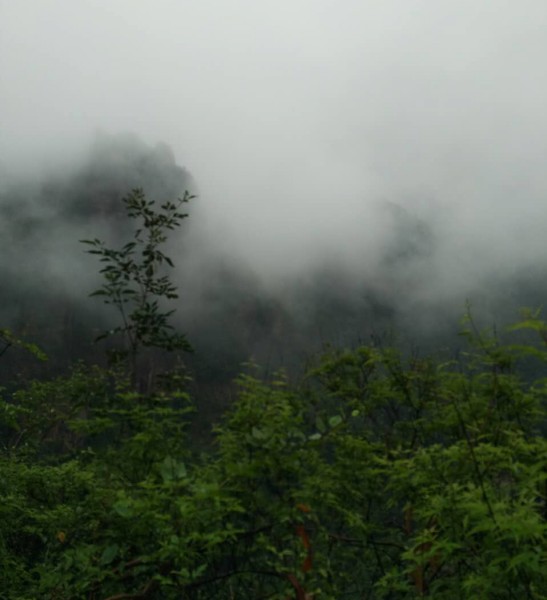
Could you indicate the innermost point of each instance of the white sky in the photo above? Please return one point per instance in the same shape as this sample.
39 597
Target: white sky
293 115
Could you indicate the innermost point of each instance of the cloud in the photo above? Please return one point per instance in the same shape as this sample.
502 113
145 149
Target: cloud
298 119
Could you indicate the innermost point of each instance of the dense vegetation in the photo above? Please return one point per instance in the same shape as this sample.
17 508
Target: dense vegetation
379 474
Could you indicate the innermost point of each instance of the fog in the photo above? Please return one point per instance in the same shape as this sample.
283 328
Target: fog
300 122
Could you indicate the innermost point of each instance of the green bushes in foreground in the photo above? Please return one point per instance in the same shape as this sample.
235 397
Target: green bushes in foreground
378 477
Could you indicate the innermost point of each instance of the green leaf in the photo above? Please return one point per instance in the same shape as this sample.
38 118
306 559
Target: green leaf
171 469
109 554
123 508
258 434
335 421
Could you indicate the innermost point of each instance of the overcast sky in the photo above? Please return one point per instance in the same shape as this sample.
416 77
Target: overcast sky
295 116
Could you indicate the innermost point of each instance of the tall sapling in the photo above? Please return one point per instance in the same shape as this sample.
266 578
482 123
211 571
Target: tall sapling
134 278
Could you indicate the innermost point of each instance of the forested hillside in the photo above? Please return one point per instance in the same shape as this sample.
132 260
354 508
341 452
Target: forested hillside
232 311
191 431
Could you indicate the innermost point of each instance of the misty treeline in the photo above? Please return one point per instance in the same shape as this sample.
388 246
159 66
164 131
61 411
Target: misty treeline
224 439
230 310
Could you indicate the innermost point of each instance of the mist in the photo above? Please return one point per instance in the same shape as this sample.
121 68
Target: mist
356 164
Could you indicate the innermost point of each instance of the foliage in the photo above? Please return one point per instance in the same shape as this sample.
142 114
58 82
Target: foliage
8 339
134 283
381 476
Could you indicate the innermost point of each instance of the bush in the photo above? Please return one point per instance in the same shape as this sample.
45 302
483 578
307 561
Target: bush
380 477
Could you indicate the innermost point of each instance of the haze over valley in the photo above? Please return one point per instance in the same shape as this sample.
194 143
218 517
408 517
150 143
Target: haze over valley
360 168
